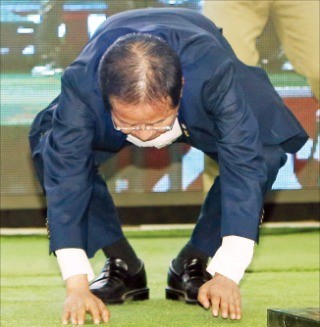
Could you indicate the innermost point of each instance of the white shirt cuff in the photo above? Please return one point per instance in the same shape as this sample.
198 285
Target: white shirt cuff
232 258
74 261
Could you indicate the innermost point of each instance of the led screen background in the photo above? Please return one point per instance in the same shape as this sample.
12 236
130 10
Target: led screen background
40 38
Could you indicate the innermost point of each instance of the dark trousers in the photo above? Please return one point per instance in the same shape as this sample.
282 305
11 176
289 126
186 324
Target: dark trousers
104 227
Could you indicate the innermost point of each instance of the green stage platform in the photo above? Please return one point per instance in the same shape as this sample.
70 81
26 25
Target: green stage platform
306 317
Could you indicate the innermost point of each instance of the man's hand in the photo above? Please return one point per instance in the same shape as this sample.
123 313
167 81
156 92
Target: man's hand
80 300
222 294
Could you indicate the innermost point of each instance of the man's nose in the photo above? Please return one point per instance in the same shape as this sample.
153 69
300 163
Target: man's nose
144 135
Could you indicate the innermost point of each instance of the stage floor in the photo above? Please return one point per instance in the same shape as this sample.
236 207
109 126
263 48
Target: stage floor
283 274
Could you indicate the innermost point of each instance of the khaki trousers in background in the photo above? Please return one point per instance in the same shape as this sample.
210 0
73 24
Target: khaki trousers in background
296 24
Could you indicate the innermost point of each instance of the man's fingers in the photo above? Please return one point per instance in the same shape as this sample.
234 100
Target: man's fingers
74 315
238 308
203 298
223 295
105 314
232 309
224 305
81 315
215 304
78 303
93 308
66 316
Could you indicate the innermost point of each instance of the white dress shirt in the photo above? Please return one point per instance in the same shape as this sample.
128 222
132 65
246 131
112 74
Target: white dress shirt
74 261
231 260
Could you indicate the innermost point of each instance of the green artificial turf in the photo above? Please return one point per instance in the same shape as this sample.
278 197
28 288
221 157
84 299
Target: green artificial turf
287 79
283 274
23 96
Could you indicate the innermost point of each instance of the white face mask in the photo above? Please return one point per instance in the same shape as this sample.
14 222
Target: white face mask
160 141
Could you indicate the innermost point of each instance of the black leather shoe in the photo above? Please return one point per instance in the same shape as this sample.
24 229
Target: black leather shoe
185 286
115 285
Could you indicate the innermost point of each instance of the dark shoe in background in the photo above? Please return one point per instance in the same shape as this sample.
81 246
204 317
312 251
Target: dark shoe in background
115 285
185 286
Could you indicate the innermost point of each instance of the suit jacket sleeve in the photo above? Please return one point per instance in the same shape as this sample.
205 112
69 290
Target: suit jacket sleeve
243 171
69 168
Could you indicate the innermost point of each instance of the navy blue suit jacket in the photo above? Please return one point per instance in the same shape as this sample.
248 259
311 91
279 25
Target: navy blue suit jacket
228 110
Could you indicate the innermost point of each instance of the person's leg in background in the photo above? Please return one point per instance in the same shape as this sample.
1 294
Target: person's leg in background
297 26
242 22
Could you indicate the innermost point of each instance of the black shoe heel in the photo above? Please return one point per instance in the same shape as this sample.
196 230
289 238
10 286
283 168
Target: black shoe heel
141 295
116 285
172 295
186 284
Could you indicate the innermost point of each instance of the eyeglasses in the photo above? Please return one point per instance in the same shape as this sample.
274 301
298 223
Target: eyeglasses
144 127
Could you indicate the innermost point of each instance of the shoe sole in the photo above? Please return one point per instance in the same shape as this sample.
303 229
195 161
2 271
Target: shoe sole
136 295
176 295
